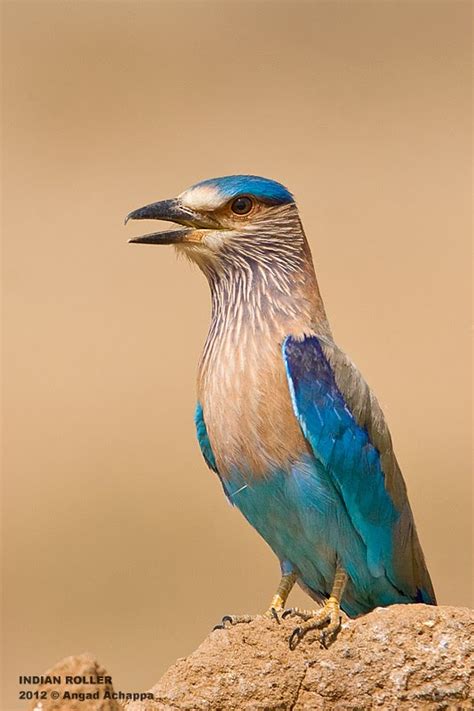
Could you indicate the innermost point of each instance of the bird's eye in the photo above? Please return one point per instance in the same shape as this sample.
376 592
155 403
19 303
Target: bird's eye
242 205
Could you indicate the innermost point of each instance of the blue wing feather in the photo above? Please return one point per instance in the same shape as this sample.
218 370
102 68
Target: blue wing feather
206 449
203 439
344 447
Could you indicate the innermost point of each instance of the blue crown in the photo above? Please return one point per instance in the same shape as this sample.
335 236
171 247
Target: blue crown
262 188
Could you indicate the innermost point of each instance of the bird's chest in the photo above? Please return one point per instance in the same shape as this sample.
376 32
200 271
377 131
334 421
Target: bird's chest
244 394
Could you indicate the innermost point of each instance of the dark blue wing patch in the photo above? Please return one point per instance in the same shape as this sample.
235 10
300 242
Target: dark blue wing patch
343 447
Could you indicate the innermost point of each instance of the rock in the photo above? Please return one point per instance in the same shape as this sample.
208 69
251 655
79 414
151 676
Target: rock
60 696
399 657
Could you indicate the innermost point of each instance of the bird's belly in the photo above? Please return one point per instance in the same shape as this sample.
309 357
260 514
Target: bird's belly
269 471
298 514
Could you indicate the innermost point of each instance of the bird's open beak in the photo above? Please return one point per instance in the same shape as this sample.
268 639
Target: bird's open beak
170 211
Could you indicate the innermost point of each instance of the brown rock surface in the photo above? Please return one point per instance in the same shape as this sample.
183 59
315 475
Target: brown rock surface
400 657
83 665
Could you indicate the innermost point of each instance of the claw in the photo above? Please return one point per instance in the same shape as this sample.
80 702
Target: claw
230 620
222 623
295 637
274 614
326 620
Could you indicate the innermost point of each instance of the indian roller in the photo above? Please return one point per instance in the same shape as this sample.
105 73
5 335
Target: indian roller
283 417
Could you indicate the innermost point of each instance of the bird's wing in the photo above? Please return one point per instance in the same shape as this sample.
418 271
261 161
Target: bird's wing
346 429
203 439
206 449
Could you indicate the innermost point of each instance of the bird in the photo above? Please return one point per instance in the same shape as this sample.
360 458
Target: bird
283 416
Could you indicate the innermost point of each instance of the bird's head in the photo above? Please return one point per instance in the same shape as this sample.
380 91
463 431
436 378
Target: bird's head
228 221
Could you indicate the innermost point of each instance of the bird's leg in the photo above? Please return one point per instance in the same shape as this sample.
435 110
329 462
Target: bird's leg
281 596
327 619
277 604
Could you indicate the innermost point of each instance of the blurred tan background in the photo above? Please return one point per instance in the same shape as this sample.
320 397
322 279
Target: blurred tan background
111 519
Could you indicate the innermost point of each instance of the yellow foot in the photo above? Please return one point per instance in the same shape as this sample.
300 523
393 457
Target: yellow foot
327 620
272 613
277 605
231 620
